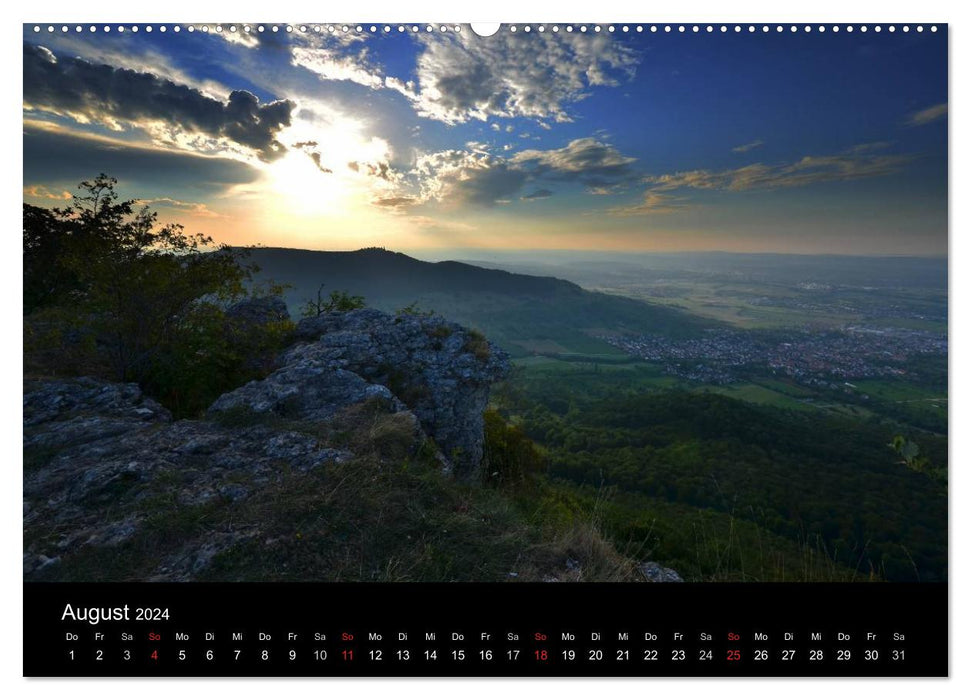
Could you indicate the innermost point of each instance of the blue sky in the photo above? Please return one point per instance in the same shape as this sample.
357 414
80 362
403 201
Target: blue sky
777 142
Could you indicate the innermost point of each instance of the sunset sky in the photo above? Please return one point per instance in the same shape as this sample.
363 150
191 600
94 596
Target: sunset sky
778 142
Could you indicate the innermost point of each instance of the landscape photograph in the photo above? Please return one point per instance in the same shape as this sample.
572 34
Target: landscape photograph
404 303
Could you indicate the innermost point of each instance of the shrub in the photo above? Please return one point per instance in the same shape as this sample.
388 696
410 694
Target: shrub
511 458
130 300
477 344
340 301
414 310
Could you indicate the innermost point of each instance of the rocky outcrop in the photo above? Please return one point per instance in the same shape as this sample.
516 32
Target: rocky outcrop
438 370
95 452
253 312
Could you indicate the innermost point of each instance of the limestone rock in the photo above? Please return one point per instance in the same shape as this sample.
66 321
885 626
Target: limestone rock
654 572
258 311
94 450
441 371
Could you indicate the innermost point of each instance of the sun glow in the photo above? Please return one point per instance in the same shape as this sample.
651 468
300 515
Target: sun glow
332 167
304 189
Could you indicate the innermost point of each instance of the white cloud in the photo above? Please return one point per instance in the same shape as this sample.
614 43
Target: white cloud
653 203
928 115
746 147
193 208
858 162
457 178
330 64
461 76
849 165
596 164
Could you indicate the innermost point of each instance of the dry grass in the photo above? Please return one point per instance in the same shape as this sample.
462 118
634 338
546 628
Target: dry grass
581 553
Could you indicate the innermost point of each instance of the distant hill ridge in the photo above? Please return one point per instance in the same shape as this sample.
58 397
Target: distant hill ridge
523 313
386 270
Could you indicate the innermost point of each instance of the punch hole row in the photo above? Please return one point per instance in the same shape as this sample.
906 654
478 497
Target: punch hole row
444 28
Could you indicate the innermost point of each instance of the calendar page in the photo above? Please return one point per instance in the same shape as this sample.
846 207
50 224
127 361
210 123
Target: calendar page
437 349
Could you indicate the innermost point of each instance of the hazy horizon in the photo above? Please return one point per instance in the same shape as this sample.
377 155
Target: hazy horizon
441 253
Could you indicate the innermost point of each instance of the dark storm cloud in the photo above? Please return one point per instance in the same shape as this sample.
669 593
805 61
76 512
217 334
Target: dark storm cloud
63 157
108 95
